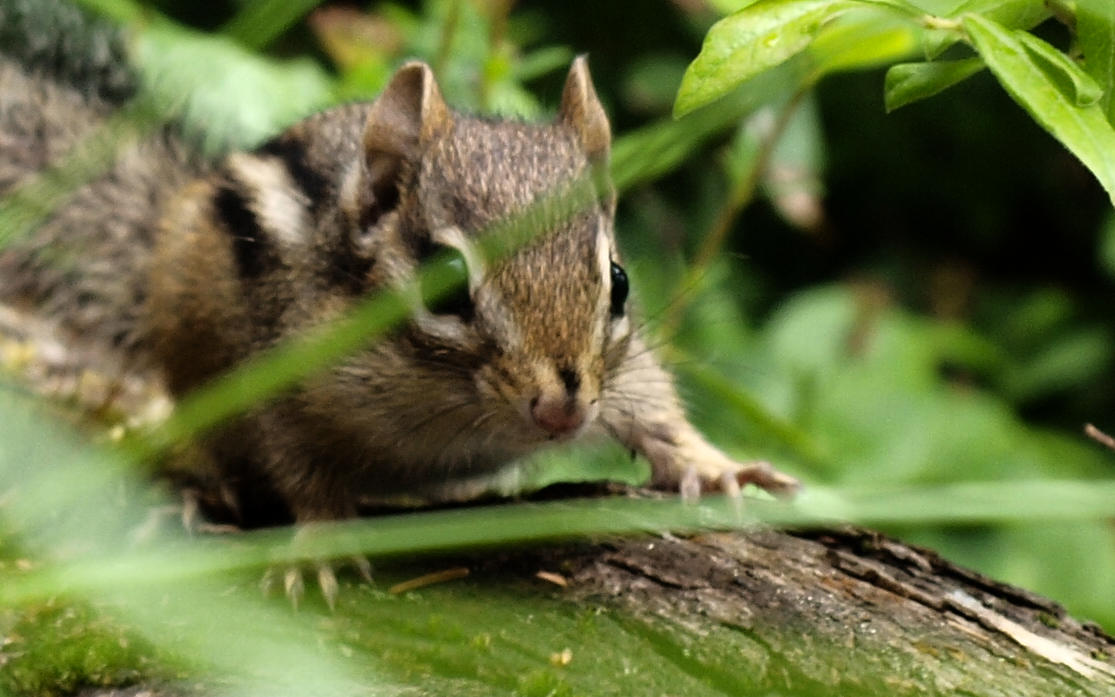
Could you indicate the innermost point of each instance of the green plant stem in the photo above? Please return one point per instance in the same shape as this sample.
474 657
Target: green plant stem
436 531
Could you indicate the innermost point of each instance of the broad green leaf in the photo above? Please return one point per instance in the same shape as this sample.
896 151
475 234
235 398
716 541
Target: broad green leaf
1085 131
935 7
233 97
860 40
902 6
727 7
1072 357
654 150
909 82
1095 32
748 42
1082 88
1013 14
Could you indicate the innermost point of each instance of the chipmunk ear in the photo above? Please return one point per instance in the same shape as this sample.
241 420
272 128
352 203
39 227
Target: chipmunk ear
407 114
582 111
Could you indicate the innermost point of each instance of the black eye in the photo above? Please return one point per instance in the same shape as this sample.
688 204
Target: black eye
445 285
619 289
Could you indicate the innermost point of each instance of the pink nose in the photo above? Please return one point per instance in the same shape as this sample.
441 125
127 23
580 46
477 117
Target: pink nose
559 417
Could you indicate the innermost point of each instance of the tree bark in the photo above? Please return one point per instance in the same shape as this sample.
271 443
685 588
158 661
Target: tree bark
846 611
843 611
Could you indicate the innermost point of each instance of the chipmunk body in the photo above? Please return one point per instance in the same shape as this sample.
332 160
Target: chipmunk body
183 269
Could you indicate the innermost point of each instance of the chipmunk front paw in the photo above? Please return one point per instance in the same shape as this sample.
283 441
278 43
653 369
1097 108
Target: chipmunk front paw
683 461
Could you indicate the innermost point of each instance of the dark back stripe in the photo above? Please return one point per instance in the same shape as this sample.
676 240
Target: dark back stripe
253 250
292 153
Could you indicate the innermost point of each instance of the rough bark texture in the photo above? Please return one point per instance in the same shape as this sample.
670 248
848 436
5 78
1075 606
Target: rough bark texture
830 612
848 609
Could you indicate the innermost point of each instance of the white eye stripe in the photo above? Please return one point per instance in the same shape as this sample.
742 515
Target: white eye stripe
620 328
606 328
604 249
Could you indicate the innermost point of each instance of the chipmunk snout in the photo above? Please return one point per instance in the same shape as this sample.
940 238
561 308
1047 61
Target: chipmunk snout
560 412
558 417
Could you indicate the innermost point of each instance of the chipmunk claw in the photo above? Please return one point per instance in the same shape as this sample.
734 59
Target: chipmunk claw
689 485
185 516
294 584
362 566
327 582
290 577
730 485
691 466
763 475
731 480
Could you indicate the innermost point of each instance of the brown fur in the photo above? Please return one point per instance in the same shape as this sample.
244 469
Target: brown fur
191 269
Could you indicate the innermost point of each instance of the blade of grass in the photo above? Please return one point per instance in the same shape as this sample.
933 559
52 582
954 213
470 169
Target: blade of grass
426 532
263 21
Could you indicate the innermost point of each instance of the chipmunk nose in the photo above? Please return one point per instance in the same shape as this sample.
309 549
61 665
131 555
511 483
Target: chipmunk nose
560 414
557 415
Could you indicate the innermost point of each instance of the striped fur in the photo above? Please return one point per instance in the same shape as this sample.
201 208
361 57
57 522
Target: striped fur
179 269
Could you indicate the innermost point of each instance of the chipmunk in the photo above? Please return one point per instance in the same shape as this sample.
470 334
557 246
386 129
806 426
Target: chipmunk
183 268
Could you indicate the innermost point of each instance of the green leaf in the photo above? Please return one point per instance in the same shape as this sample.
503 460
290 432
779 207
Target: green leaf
907 83
262 21
1085 131
1013 14
229 96
651 151
1081 86
748 42
1095 32
727 7
860 40
1069 359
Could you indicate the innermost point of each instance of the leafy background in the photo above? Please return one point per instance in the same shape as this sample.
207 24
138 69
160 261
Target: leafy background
888 305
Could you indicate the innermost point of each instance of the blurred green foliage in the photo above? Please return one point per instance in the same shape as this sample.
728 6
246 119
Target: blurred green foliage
902 300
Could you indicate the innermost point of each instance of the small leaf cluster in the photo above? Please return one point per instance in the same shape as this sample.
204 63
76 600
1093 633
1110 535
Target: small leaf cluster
1070 93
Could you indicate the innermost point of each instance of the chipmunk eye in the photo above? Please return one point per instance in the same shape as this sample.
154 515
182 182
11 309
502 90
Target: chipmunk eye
445 287
620 289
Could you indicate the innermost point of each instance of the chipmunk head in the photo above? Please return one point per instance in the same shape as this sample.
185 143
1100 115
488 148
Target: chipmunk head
534 330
